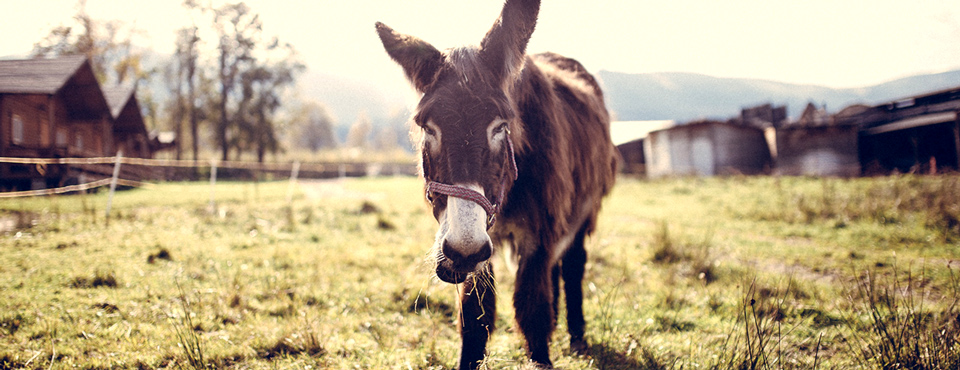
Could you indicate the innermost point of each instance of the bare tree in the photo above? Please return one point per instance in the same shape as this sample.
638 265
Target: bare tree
107 44
359 132
186 58
262 87
314 129
238 29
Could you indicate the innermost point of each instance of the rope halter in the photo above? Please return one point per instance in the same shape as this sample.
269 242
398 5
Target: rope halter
462 192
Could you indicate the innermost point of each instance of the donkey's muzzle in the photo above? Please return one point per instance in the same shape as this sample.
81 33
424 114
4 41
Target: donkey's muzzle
455 264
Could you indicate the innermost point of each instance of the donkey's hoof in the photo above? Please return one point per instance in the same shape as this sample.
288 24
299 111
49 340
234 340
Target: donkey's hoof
578 347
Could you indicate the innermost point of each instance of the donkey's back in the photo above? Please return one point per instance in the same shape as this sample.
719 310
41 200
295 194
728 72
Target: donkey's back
568 155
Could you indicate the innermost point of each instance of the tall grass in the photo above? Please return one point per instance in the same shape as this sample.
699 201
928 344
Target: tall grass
932 201
695 255
188 336
331 280
908 325
763 334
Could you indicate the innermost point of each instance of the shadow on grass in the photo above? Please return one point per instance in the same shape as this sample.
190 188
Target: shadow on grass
610 359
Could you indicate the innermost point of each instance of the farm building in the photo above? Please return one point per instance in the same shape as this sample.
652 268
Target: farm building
763 116
817 145
629 136
707 148
129 131
920 133
55 108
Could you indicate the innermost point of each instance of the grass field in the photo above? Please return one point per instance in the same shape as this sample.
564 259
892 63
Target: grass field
720 273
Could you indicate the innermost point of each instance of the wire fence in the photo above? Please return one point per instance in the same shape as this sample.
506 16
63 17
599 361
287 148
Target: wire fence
295 169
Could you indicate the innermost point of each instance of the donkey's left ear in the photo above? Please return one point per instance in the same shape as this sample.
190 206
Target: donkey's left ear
505 45
420 60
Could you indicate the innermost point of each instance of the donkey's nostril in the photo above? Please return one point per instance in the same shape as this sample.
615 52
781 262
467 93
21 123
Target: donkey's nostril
465 257
484 253
451 253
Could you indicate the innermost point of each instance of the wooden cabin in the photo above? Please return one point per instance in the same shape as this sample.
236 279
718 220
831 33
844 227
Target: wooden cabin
55 108
129 131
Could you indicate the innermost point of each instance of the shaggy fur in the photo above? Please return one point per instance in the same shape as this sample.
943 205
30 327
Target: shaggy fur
559 124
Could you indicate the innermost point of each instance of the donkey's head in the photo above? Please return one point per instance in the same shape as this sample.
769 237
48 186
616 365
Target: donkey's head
467 118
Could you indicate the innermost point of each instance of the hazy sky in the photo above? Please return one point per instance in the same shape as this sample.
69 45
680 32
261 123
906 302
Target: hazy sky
836 43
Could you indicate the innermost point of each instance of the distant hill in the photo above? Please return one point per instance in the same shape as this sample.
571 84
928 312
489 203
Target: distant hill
347 98
631 97
689 96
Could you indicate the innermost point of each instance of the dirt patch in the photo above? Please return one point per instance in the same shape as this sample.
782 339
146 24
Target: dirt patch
13 221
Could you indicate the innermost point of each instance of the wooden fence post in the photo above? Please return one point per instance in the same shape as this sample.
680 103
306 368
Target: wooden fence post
213 185
293 180
113 184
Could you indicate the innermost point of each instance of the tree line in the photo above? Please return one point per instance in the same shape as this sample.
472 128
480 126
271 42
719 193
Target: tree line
223 87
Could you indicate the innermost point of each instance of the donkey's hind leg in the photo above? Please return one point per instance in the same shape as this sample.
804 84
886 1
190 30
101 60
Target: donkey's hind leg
572 267
478 305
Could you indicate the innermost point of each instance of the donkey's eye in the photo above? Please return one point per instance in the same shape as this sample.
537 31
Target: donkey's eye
501 128
429 131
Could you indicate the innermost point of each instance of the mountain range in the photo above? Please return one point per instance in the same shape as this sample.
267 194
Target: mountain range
687 96
677 96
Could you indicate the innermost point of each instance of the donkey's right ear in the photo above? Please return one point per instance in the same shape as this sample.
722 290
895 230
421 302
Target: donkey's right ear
420 60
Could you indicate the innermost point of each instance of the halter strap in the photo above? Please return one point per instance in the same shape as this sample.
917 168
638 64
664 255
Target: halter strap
461 192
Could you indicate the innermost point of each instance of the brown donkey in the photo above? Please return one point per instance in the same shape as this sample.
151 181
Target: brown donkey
516 155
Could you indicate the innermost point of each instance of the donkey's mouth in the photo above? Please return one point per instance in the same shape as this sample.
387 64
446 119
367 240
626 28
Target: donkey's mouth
455 273
449 276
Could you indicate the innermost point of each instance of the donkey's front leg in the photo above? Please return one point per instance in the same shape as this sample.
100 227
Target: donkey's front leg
533 301
478 304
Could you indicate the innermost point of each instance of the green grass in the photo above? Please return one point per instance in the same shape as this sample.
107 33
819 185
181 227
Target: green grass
745 273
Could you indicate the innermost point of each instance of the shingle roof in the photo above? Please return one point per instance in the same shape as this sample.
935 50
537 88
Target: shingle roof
38 76
124 108
117 97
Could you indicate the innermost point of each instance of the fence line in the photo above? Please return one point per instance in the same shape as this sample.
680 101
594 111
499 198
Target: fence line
71 188
295 168
267 166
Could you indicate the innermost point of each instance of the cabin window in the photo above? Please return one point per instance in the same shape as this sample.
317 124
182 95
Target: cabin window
78 141
16 125
44 132
61 137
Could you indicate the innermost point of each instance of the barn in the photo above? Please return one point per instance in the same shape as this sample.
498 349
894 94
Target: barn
629 137
707 148
914 134
55 108
129 131
817 145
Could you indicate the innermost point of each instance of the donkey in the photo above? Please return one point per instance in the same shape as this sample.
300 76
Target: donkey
516 156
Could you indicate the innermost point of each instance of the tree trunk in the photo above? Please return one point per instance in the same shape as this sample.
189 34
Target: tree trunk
192 111
224 93
178 113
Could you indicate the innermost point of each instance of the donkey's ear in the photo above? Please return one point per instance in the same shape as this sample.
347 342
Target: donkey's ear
420 60
504 46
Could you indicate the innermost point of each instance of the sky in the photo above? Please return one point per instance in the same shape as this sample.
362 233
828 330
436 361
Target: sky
834 43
